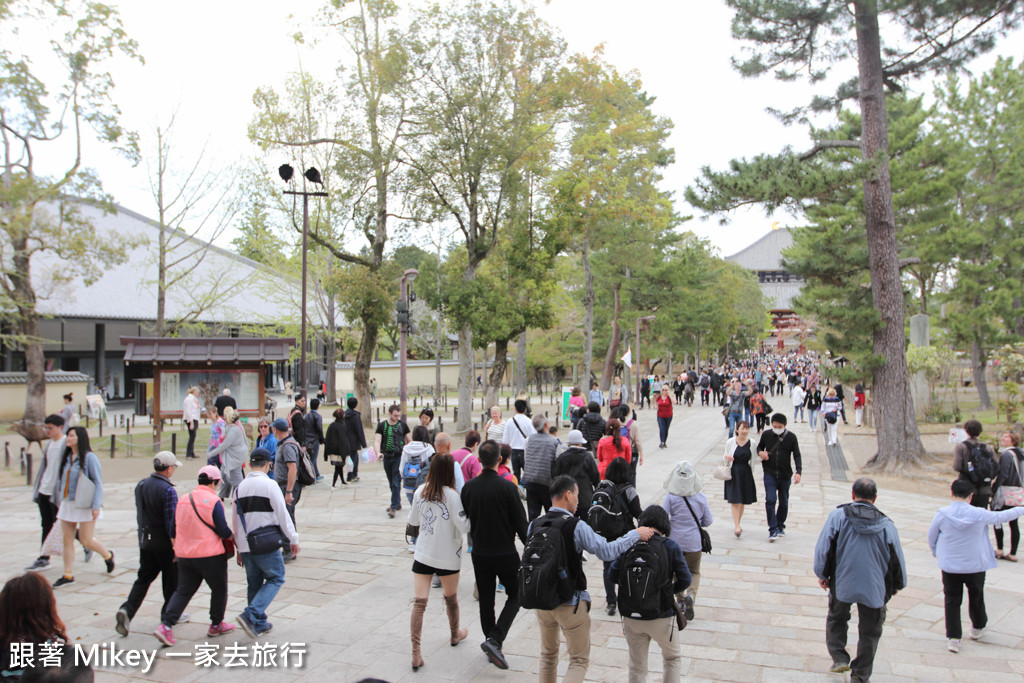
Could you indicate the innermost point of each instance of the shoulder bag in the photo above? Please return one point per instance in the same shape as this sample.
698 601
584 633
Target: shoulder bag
263 540
229 543
705 537
85 489
1010 496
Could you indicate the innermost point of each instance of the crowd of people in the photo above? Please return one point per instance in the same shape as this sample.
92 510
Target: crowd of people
516 479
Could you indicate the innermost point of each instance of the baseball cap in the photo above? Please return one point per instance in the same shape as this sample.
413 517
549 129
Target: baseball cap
165 459
211 472
280 424
260 456
575 438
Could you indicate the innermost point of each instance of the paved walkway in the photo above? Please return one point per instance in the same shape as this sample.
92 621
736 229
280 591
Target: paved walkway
760 614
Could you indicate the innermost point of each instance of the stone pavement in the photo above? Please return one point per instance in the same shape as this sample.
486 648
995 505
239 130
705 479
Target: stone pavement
760 613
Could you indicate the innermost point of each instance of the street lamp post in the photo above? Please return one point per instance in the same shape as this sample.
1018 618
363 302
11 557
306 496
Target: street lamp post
639 378
287 172
403 328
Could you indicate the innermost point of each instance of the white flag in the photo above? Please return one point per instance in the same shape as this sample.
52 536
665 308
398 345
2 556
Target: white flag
628 358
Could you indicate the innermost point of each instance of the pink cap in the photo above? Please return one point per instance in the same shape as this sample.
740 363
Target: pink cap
211 471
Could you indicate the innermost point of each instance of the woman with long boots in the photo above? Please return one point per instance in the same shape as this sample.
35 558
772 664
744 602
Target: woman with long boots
440 520
336 446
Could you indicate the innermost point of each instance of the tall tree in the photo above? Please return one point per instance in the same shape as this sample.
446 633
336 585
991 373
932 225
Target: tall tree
792 40
40 215
488 94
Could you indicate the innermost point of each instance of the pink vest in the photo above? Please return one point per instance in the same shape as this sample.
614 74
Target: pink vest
192 537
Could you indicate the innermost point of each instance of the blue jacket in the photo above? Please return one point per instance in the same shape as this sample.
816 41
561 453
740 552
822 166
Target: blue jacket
859 553
958 537
69 479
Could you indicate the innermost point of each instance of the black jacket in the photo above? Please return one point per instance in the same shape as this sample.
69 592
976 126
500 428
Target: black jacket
579 464
336 442
495 512
298 423
356 434
150 494
781 449
592 425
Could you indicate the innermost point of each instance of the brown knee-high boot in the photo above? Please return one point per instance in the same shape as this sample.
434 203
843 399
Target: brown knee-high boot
451 603
419 606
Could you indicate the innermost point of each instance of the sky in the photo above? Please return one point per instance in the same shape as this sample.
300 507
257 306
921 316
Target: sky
204 60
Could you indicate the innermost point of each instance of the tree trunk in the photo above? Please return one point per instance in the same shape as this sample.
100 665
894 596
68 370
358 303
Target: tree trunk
899 441
521 363
437 359
497 373
331 355
697 359
978 364
588 313
28 326
361 373
613 345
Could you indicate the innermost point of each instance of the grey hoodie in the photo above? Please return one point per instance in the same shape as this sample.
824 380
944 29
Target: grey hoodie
859 553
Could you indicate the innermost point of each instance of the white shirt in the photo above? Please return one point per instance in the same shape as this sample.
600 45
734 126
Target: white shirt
259 485
190 409
441 524
513 437
54 449
798 395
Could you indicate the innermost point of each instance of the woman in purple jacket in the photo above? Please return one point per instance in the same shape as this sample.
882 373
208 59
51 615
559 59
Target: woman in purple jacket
688 511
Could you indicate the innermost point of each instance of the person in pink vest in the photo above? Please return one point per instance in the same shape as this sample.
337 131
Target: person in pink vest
201 528
466 457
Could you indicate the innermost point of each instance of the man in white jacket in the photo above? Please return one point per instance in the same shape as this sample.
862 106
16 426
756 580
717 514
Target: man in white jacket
958 538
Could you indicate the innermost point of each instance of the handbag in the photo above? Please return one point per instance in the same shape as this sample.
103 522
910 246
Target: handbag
726 410
53 546
705 537
84 491
723 471
265 539
228 543
411 531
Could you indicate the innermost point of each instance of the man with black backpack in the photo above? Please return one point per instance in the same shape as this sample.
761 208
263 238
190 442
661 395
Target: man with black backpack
649 575
286 470
977 464
551 578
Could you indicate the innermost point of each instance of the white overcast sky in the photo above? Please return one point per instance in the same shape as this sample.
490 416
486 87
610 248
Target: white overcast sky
205 58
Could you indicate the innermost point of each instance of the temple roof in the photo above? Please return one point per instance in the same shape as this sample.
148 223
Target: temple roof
765 253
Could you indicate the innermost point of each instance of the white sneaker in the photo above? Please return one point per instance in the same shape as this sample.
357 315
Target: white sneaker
953 645
977 633
412 547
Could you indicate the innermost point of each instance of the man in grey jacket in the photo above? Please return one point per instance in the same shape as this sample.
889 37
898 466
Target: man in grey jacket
858 559
538 456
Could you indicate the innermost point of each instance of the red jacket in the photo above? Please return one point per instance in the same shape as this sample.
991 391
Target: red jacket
606 452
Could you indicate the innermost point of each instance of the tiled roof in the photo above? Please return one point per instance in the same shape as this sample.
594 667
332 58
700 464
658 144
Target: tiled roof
779 295
56 377
205 349
765 253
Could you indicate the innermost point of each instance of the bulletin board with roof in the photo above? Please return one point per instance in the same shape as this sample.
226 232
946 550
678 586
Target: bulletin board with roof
212 364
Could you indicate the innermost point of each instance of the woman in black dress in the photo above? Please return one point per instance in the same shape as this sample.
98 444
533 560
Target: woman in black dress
739 490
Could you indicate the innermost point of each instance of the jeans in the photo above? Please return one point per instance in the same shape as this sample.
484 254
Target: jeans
812 418
193 428
663 425
314 452
504 568
264 575
391 463
953 588
798 412
192 571
609 584
151 564
518 462
705 397
355 465
869 632
734 417
776 489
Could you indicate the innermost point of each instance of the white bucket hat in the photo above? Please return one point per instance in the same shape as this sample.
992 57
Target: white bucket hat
684 480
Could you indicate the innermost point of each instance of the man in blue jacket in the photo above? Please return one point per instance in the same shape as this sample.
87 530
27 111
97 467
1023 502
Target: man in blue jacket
858 559
958 537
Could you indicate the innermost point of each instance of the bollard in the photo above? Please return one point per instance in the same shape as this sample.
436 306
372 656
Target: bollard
378 413
133 420
476 426
21 459
7 455
414 403
174 442
456 416
112 442
101 421
86 421
28 469
508 403
440 423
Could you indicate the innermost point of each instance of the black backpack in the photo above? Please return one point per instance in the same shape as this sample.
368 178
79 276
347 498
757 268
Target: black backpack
982 468
544 581
645 580
608 514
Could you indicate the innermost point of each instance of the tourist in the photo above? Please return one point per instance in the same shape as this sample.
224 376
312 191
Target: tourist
314 434
356 435
577 406
624 493
830 407
631 428
736 395
201 528
496 517
217 425
336 446
286 471
975 462
541 449
797 395
427 420
68 412
415 462
740 490
859 401
79 510
28 614
262 526
1011 473
612 446
389 438
779 451
760 409
155 502
618 394
265 439
688 512
579 463
664 405
297 420
495 428
571 618
190 413
595 396
659 625
467 458
516 431
437 514
838 386
373 389
592 426
223 401
858 559
233 450
813 403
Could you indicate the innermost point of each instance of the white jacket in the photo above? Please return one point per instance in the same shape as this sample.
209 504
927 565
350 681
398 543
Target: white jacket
441 524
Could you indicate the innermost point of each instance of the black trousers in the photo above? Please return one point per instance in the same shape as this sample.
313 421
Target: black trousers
705 396
518 462
869 632
537 496
152 563
762 420
193 428
296 494
192 571
504 568
47 515
953 588
339 473
1014 536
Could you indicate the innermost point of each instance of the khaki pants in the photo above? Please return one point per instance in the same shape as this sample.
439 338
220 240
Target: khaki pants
574 622
693 564
639 634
